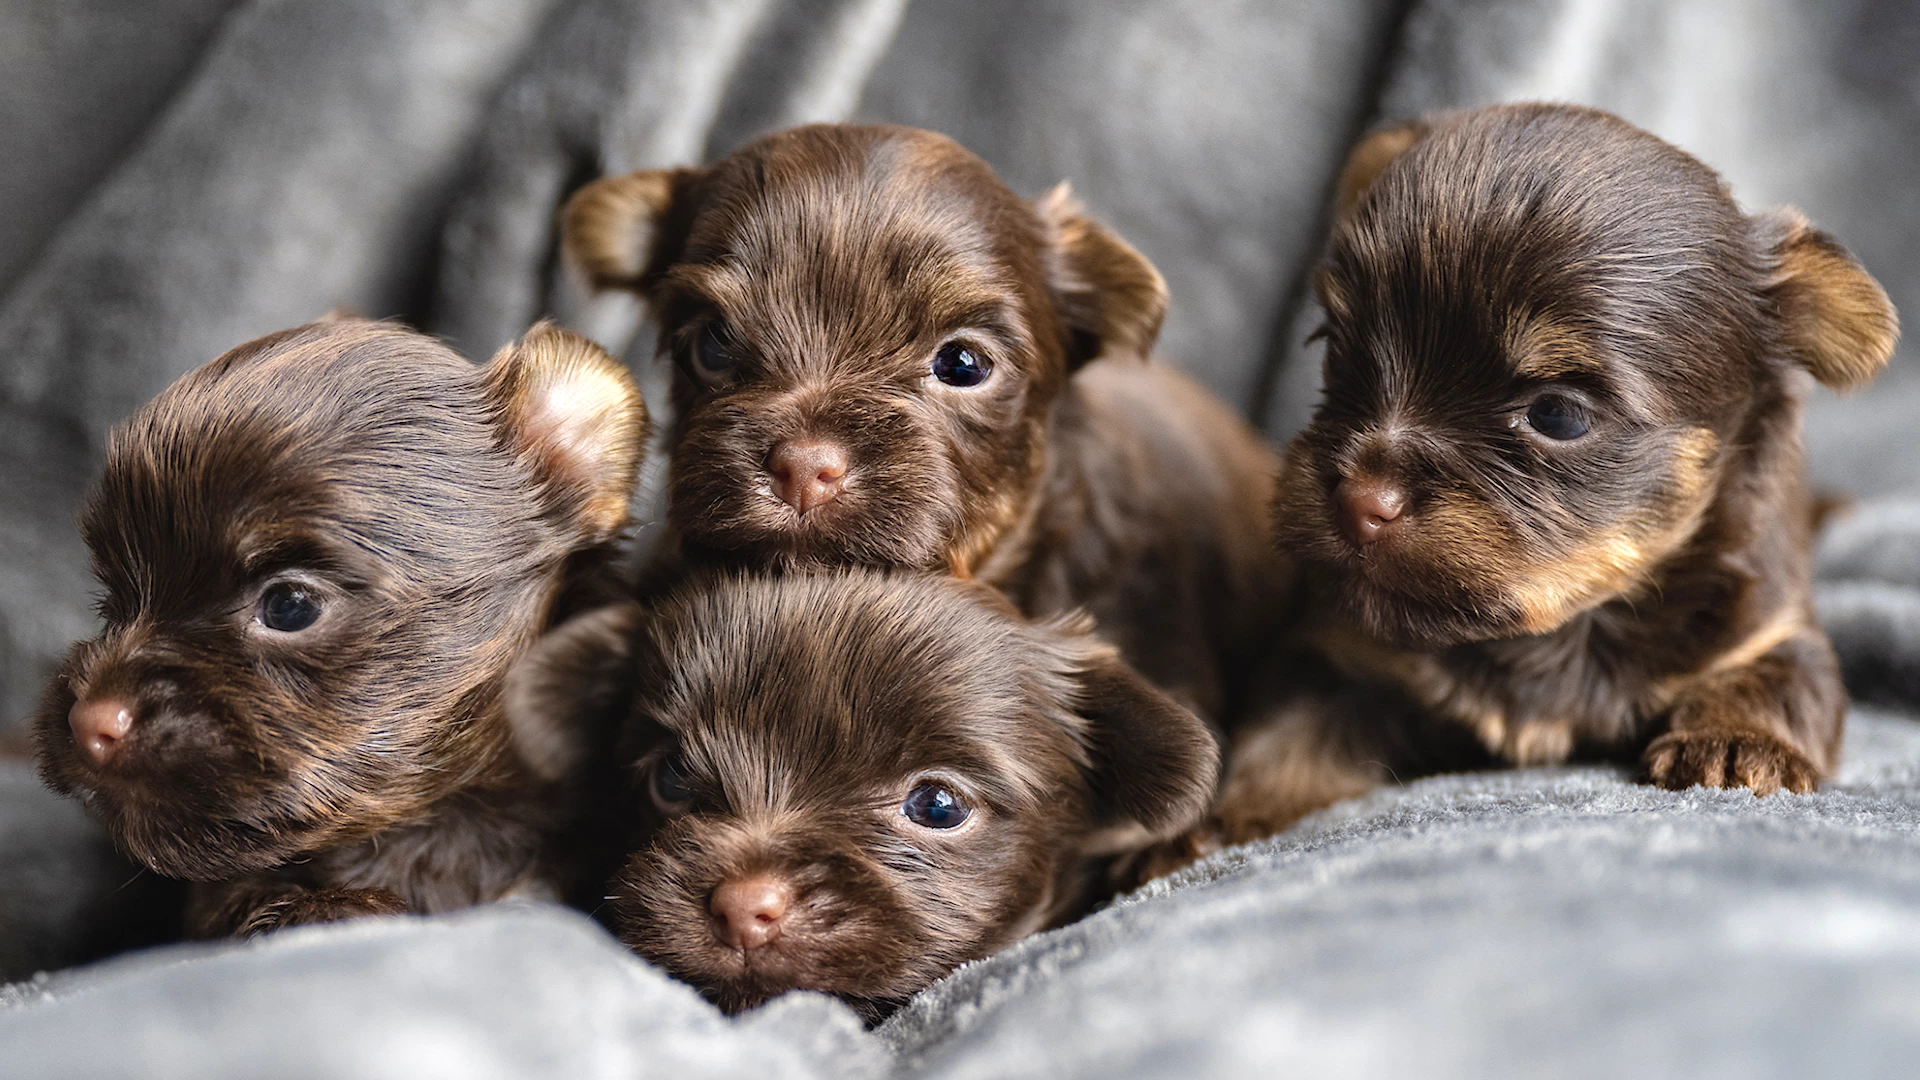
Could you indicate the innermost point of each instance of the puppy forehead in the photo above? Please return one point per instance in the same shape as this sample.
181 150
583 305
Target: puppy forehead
867 229
818 684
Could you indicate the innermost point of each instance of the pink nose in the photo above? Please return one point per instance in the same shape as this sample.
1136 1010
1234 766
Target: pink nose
808 473
99 726
747 912
1368 509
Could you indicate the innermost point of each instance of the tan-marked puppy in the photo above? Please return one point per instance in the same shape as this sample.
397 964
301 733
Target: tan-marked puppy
1552 503
854 781
320 554
886 358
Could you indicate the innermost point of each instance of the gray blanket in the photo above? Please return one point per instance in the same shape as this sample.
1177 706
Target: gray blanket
181 176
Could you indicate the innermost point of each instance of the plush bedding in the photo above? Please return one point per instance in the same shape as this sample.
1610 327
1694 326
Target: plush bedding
208 171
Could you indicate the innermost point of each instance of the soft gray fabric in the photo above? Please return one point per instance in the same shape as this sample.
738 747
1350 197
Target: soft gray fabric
190 174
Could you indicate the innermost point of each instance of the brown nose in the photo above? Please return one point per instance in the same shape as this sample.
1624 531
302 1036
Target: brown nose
747 911
99 726
1368 508
807 474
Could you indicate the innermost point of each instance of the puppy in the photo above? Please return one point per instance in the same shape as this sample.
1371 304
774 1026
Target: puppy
1552 503
882 358
852 781
319 554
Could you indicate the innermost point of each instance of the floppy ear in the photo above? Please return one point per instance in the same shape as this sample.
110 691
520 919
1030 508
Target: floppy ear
1155 764
565 697
621 230
1109 295
1839 323
574 416
1368 159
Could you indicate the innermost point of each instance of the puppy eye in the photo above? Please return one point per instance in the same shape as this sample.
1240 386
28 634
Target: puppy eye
713 359
288 608
957 365
669 787
933 806
1557 418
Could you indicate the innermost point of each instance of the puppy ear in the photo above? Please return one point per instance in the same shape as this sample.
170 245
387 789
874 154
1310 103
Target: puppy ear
1155 764
1110 296
1839 323
1368 159
574 415
621 230
564 698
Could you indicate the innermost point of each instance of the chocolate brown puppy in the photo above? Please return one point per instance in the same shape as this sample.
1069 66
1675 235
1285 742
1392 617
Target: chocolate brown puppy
853 781
1552 503
884 357
319 555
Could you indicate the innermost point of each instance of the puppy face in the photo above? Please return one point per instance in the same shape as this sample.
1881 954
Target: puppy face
853 783
869 330
1545 331
317 556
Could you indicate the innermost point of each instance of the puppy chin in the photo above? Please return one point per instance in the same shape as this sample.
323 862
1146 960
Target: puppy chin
1416 622
852 530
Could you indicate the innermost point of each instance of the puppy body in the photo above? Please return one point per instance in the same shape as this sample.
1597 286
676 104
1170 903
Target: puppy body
853 781
883 358
1553 503
320 554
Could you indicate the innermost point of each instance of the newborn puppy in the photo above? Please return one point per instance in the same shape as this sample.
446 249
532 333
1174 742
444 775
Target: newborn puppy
853 782
1552 503
882 358
319 554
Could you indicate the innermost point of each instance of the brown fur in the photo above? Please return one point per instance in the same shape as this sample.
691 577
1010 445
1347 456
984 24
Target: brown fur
1641 590
802 710
832 262
441 513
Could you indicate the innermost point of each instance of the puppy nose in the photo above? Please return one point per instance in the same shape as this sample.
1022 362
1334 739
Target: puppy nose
807 474
1367 508
99 726
747 912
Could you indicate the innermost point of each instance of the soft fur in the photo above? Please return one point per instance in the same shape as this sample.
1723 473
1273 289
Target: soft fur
1639 590
801 710
827 266
440 514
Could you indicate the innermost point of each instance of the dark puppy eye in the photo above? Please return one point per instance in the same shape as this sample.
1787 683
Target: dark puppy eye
288 608
669 787
934 806
957 365
713 358
1557 418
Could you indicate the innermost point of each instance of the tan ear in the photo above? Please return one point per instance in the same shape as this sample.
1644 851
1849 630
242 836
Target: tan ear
1155 764
1110 296
1368 159
567 695
1838 321
574 415
619 230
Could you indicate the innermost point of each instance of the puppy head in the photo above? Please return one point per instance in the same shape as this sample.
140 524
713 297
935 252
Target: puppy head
853 783
317 556
869 330
1546 331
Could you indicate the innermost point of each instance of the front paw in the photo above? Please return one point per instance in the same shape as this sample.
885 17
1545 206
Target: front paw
321 906
1751 759
1168 856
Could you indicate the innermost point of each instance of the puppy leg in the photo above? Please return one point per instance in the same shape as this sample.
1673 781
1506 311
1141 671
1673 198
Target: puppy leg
1304 754
250 907
1774 723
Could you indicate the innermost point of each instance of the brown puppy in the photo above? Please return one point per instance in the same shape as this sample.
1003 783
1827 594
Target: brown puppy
882 358
320 554
853 782
1552 503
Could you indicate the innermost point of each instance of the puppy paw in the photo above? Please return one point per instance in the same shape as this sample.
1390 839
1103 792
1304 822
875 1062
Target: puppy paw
1170 855
321 906
1724 759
